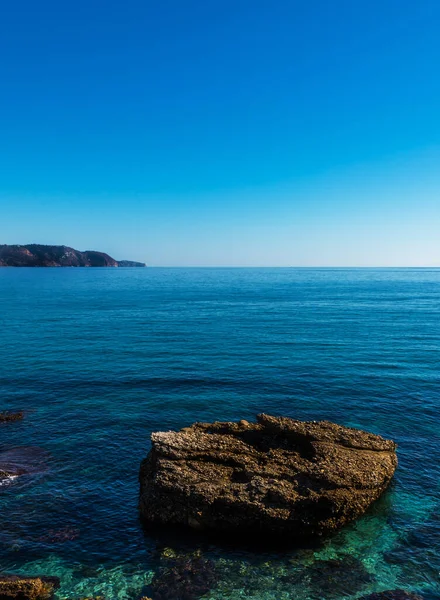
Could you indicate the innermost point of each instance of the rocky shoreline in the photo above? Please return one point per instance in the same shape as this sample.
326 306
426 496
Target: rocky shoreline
16 587
39 255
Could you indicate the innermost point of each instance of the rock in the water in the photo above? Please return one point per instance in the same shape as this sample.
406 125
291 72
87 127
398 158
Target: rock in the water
338 578
22 461
392 595
184 578
7 417
16 587
278 476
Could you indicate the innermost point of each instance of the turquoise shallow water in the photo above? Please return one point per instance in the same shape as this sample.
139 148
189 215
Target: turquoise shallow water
99 358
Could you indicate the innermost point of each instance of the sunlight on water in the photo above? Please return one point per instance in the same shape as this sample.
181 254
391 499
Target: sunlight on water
100 360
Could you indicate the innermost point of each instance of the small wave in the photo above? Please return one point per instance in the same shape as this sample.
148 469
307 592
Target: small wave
7 480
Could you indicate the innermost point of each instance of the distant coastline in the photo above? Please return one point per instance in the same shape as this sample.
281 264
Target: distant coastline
39 255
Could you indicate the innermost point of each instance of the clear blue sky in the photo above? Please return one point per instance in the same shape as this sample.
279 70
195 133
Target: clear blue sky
223 132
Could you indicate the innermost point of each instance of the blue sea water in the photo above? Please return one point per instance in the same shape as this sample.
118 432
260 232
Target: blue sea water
100 358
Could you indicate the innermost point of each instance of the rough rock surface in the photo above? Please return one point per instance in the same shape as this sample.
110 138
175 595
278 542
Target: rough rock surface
39 255
16 587
278 476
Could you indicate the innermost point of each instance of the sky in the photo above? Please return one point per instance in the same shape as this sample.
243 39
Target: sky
223 133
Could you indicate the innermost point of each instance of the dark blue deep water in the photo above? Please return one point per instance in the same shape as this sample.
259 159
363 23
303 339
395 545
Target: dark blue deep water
100 358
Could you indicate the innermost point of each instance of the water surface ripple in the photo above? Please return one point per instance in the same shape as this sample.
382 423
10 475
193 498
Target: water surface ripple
100 358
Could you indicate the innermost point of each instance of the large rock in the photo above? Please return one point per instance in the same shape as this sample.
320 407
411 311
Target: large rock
16 587
278 476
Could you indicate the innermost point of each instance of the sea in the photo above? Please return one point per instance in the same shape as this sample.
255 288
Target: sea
100 358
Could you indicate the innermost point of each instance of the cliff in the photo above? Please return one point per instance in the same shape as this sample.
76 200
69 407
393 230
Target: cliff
38 255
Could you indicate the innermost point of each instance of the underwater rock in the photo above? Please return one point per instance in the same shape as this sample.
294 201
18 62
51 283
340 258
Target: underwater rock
418 548
86 572
278 476
336 578
7 417
16 587
66 534
21 461
184 578
392 595
332 578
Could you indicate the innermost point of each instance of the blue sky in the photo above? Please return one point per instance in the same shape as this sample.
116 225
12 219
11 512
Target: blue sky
277 132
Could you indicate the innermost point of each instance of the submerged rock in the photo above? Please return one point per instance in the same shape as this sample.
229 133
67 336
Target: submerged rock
417 548
331 579
54 536
186 578
336 578
392 595
16 587
278 476
22 461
